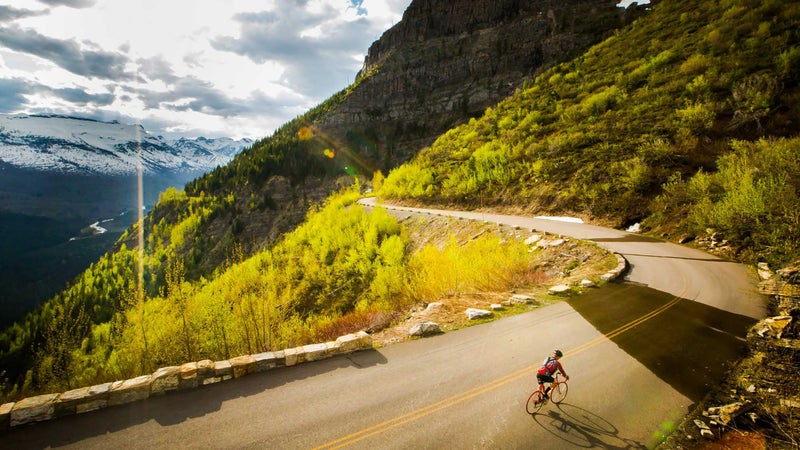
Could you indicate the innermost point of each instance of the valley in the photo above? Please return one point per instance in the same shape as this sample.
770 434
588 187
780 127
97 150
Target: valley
62 180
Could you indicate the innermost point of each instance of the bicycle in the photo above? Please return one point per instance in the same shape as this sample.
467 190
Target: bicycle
557 395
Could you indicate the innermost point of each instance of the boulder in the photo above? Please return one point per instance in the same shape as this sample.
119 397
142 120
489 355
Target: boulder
520 299
97 398
165 379
561 289
705 431
550 243
474 313
433 307
5 415
33 409
205 369
294 356
82 400
764 271
587 283
532 239
127 391
265 361
424 329
348 343
315 352
727 413
242 365
68 402
221 371
187 376
495 307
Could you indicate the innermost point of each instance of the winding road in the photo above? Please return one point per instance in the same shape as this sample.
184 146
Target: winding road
640 353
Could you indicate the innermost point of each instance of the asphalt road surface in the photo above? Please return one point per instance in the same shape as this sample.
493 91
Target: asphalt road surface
639 353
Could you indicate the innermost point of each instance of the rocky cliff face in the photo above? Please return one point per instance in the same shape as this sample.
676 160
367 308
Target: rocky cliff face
448 60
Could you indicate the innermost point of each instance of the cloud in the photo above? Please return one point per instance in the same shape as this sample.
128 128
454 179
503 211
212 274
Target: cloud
12 94
317 48
157 68
193 94
78 4
81 97
67 54
9 14
240 68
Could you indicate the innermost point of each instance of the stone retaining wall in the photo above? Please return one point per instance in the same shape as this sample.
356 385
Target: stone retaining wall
622 266
186 376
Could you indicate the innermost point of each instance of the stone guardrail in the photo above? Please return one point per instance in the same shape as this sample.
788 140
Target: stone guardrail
173 378
613 274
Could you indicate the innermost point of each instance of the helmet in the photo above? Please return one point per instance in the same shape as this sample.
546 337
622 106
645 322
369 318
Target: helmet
558 353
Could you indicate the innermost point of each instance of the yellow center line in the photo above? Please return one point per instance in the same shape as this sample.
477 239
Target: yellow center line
483 388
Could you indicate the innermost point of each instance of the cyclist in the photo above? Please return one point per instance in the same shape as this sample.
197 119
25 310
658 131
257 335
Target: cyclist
548 369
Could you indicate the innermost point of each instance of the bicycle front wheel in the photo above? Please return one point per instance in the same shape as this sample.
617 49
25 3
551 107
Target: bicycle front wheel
559 392
534 403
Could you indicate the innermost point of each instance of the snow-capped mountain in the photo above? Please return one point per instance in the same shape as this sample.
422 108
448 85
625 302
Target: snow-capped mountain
222 149
72 145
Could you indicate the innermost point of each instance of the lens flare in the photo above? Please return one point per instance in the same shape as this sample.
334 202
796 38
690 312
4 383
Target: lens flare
329 153
305 133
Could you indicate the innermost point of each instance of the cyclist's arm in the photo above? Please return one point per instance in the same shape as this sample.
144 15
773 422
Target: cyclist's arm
561 369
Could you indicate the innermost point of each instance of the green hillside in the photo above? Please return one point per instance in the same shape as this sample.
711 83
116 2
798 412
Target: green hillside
686 120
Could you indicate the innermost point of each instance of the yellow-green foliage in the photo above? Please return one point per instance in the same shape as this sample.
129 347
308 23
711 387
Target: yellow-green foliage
487 263
753 199
605 133
340 260
338 272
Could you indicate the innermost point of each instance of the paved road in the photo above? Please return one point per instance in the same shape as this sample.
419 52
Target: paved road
640 353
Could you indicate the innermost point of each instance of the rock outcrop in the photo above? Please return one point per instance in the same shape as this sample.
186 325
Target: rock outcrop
448 60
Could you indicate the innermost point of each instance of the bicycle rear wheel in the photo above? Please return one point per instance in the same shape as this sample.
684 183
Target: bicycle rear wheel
559 392
534 403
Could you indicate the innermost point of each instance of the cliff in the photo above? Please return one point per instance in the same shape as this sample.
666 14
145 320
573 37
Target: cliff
447 61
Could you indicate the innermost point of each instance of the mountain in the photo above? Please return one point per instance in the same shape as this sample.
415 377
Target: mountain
447 61
221 149
52 143
443 64
59 175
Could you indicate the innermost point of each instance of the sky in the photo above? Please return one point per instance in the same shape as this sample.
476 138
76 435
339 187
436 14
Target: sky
233 68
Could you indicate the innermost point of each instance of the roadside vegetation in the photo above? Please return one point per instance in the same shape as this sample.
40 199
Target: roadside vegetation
343 270
685 120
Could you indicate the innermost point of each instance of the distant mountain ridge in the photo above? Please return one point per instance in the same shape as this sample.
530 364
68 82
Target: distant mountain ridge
58 174
54 143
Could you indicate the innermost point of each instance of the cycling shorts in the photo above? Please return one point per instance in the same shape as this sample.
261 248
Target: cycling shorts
544 378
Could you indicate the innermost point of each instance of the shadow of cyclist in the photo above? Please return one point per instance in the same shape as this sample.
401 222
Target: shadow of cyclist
581 428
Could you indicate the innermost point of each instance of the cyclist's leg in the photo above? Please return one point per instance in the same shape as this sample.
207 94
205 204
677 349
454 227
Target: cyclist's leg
541 379
548 379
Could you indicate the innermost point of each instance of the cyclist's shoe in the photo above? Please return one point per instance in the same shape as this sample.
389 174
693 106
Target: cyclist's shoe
545 399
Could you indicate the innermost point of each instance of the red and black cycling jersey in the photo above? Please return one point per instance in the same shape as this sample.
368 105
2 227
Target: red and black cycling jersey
550 366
